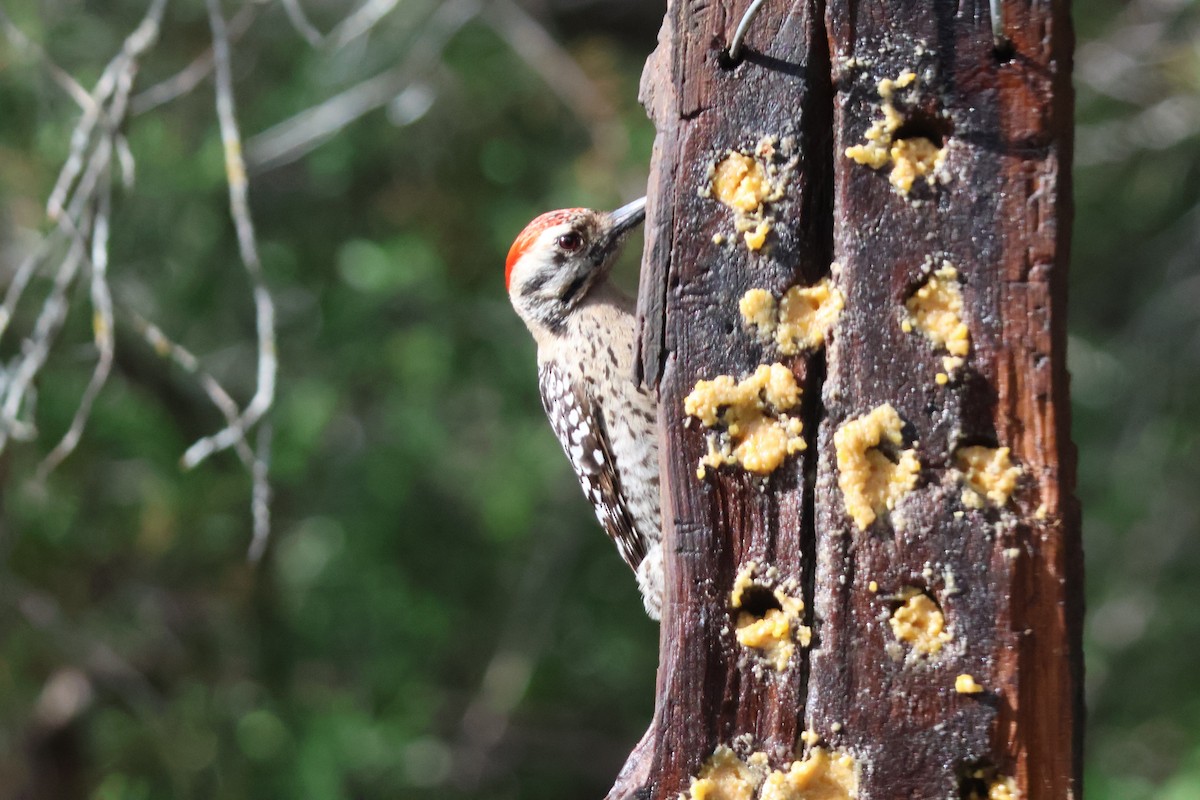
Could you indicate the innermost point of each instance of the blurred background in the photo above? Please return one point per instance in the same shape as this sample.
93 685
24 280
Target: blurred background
435 613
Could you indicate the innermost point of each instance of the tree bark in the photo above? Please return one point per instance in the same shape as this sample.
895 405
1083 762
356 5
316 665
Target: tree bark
1007 576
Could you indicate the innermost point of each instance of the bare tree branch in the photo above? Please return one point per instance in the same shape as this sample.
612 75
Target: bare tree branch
188 78
239 205
18 381
57 73
23 274
17 396
80 204
301 23
185 360
101 295
360 23
1157 127
119 72
559 70
102 332
260 500
295 137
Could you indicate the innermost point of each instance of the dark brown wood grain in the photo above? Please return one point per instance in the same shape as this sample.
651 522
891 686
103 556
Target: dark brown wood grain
1008 580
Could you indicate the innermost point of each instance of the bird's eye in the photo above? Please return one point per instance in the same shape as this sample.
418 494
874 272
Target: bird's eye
570 241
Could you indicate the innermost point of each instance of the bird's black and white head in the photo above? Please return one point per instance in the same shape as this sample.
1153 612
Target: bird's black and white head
561 257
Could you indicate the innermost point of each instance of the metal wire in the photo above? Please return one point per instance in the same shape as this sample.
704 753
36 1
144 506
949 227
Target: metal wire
739 35
999 38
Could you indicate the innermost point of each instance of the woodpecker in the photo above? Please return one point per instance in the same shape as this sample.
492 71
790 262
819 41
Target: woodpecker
557 278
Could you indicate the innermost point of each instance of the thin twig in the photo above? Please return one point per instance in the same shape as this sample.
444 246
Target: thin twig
80 206
176 86
530 41
93 192
239 205
54 309
119 69
24 272
102 334
257 461
59 75
179 355
37 349
361 21
260 499
300 134
1157 127
194 73
125 160
301 23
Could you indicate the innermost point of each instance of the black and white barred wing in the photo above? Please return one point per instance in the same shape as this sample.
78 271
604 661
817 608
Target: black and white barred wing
579 425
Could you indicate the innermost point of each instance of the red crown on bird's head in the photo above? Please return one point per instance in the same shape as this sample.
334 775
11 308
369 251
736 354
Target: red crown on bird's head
528 236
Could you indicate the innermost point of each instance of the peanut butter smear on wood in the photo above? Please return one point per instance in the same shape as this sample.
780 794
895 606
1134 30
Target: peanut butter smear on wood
988 473
747 182
912 158
936 310
740 182
801 320
966 684
774 633
758 432
920 623
871 483
821 775
727 777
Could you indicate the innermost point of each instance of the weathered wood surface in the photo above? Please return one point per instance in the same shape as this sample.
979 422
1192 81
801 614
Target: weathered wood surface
1009 581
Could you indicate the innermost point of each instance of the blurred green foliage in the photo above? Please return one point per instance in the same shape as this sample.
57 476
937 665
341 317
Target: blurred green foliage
437 615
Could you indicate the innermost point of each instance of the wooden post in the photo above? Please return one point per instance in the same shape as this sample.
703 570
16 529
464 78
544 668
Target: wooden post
954 197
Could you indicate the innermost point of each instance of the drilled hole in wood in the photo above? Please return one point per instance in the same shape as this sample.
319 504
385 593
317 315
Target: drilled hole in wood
974 780
989 475
977 440
920 125
909 590
979 780
757 600
889 450
1004 51
917 621
752 421
726 61
767 620
872 483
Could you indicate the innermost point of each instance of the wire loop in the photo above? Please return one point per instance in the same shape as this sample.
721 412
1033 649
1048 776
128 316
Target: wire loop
735 46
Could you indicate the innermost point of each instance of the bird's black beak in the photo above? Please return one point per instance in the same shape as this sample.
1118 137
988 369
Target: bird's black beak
620 222
626 218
